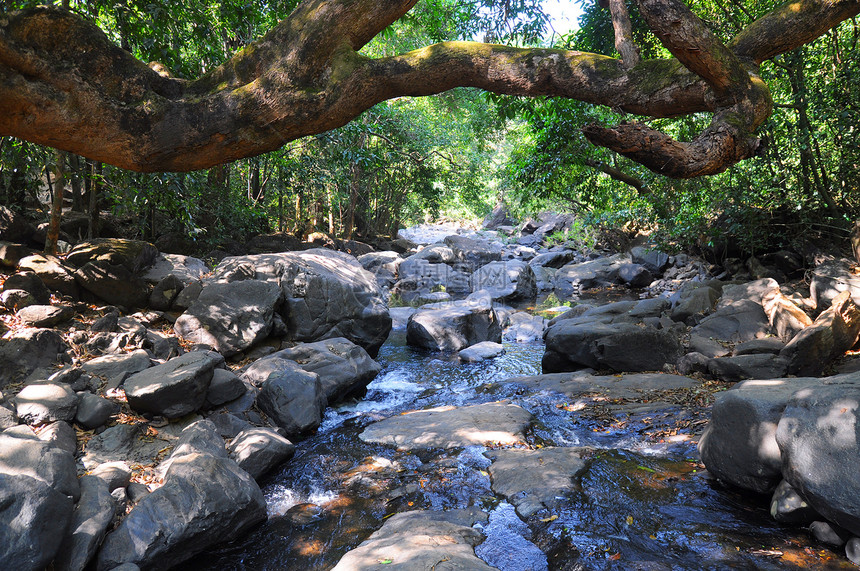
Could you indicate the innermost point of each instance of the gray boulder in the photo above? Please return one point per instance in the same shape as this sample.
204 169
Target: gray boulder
738 322
635 275
52 272
474 252
113 283
165 293
291 397
29 456
421 540
694 304
755 366
832 277
33 521
92 516
481 352
617 346
134 255
205 500
573 278
120 365
42 403
327 294
185 268
343 367
24 353
94 411
30 283
787 506
506 281
174 389
453 327
44 315
554 259
739 445
258 450
834 332
225 386
13 226
230 317
654 261
818 437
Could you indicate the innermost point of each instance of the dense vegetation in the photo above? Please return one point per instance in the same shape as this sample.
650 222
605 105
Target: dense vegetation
458 153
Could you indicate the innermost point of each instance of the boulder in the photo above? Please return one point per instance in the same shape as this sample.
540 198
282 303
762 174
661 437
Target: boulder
205 500
114 474
290 396
258 450
15 299
273 244
818 438
784 316
42 403
26 455
185 268
452 427
120 365
230 317
554 260
30 283
695 304
114 283
94 411
635 275
832 277
535 479
506 281
174 389
741 367
92 516
834 332
481 352
617 346
24 353
769 345
453 327
52 272
13 226
326 294
225 386
343 367
129 443
498 217
739 445
654 261
133 255
473 251
573 278
165 293
44 315
524 328
33 521
738 322
421 540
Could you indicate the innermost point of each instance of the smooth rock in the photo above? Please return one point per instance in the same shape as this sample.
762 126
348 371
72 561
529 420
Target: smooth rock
36 459
756 366
453 328
739 445
421 540
787 506
33 520
42 403
230 317
481 352
94 411
290 396
343 367
258 450
535 479
205 501
452 427
93 514
29 282
24 353
506 281
174 389
225 386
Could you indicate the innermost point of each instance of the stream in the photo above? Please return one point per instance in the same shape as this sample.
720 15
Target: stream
645 501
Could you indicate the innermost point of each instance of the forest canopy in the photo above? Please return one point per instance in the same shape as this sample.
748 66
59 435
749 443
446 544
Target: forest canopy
311 97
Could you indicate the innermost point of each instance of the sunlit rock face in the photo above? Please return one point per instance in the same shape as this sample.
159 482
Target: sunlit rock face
322 294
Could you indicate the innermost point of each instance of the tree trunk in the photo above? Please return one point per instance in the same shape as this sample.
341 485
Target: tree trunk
75 181
86 95
96 177
57 207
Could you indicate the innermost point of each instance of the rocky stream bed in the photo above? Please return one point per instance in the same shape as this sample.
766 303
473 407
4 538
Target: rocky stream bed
275 413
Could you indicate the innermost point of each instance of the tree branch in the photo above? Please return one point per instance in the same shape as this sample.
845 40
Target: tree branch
624 34
64 84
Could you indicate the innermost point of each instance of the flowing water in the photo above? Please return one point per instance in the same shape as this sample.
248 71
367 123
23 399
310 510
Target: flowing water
644 502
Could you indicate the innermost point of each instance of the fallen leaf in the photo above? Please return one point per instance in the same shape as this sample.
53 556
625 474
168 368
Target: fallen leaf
550 518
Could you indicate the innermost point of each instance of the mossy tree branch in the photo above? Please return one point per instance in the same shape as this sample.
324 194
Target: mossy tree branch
64 84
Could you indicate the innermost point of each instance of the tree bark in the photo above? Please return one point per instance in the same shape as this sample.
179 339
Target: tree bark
57 207
77 91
